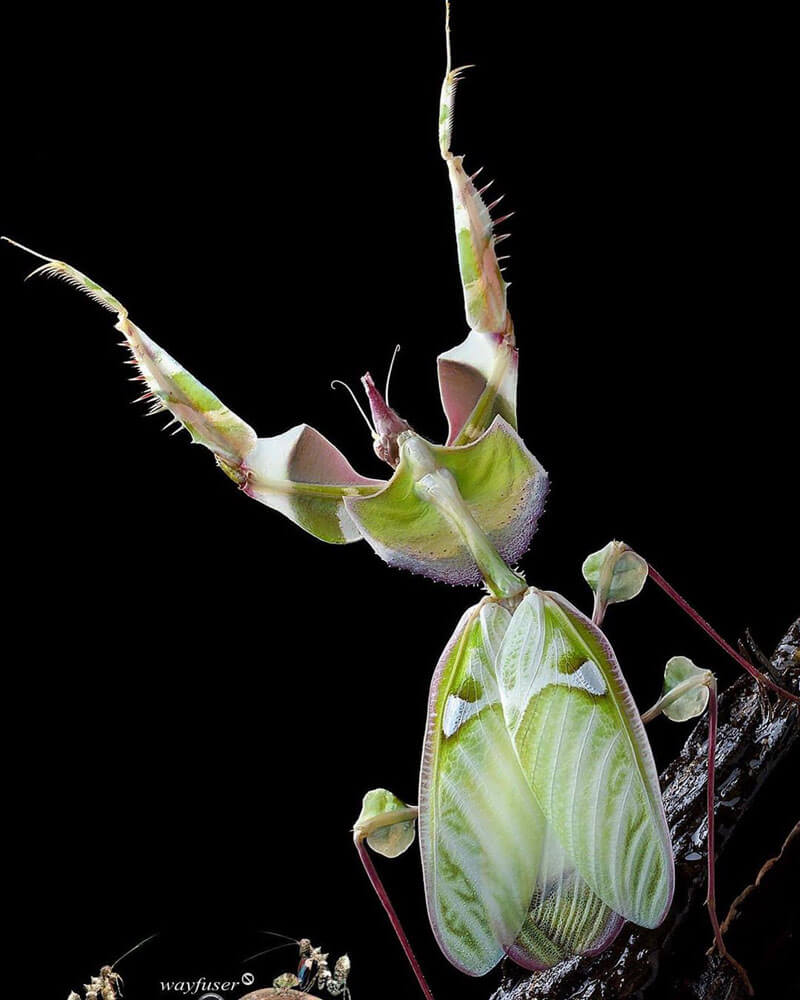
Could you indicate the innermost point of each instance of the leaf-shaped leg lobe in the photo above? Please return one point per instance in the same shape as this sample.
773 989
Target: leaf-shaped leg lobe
301 474
477 382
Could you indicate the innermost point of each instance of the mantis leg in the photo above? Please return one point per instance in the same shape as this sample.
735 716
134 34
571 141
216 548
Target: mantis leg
359 839
299 473
388 826
617 573
706 679
684 605
478 378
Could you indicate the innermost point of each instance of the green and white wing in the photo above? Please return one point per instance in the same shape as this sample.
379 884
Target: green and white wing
481 832
497 878
582 746
565 918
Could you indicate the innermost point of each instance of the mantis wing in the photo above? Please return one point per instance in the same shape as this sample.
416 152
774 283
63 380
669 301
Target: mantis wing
480 828
582 746
497 878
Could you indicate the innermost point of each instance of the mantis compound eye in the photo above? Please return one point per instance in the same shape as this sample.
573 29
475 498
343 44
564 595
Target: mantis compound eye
387 451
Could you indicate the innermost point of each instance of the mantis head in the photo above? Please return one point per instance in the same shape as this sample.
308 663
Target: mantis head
388 426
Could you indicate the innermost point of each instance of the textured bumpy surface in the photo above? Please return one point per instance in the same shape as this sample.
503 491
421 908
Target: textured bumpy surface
502 485
541 825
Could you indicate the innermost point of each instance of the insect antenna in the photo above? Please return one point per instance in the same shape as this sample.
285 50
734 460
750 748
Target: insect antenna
286 937
338 381
277 947
136 947
389 373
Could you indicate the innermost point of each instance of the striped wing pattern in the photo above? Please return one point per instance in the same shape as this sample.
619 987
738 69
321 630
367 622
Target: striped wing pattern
471 781
582 744
565 917
541 826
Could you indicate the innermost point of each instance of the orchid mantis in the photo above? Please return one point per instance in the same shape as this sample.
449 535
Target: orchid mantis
540 819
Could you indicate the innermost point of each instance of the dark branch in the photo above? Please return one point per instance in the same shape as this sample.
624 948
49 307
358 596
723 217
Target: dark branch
755 731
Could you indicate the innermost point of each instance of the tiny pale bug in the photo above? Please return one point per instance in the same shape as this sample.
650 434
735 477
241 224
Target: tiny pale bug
108 983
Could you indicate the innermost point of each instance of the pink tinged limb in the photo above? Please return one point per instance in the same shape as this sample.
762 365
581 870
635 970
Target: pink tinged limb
383 896
667 704
711 897
689 610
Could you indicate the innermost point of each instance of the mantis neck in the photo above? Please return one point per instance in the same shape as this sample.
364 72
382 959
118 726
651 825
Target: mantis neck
438 486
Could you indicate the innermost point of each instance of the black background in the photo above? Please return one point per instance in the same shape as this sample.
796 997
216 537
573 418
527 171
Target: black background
209 690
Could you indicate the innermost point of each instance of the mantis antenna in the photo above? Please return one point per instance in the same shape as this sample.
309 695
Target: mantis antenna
338 381
391 369
286 937
268 951
136 947
515 868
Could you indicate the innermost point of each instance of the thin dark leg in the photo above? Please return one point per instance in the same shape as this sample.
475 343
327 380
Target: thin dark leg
383 896
656 577
711 897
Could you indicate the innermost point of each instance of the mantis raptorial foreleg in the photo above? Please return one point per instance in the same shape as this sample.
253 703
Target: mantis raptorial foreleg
478 382
299 473
478 378
542 827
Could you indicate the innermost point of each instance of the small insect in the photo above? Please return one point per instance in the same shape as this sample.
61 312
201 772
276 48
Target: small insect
108 984
313 971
